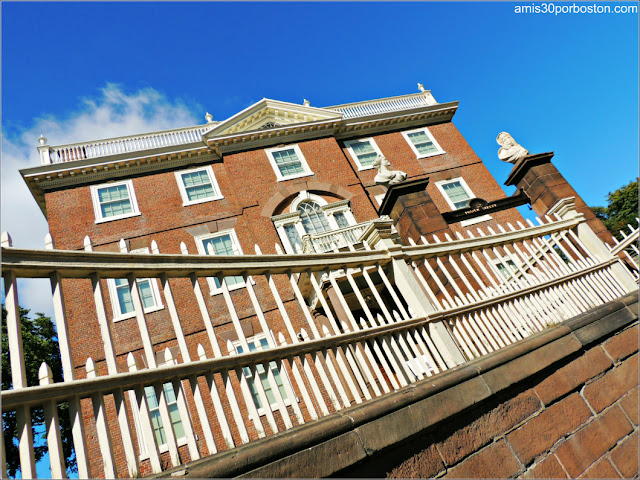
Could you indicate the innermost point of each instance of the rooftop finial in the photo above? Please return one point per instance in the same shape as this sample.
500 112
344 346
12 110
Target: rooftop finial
208 117
421 87
305 102
42 140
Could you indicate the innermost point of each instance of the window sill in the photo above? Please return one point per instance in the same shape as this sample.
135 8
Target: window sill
473 221
218 291
133 314
203 200
434 154
165 448
118 217
368 167
292 177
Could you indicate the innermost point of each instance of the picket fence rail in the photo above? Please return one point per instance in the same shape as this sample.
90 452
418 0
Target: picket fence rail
392 315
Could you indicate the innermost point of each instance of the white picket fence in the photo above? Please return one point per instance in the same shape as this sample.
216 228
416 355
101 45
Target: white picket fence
393 315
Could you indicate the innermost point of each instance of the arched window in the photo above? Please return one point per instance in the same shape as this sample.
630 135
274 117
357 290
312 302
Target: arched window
313 218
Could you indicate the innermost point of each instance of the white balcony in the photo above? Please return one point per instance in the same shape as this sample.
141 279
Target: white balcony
334 240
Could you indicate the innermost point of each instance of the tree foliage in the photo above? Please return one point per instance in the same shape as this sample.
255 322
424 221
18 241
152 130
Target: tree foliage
40 344
622 209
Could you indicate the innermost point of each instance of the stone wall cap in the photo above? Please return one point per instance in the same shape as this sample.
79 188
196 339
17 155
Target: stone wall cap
523 165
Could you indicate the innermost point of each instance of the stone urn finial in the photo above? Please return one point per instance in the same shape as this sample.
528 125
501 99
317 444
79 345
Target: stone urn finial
510 151
42 140
421 87
386 176
208 117
306 102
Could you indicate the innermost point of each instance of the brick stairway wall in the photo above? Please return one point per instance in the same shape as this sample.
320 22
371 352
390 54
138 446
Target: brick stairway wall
581 421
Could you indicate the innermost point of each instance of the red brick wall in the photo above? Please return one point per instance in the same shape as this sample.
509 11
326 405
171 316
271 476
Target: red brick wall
248 183
581 421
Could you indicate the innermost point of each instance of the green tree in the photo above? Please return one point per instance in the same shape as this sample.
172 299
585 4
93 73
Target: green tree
40 344
622 209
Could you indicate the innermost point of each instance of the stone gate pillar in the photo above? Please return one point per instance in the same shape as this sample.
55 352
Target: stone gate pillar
541 181
412 211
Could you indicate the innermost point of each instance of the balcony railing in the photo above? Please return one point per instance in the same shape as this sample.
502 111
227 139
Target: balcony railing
393 315
334 240
384 105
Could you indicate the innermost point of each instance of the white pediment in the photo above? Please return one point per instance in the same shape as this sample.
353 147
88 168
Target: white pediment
267 114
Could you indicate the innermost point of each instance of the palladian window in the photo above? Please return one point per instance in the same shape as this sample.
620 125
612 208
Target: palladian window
325 223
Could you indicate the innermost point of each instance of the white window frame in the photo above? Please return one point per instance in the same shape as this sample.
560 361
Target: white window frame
464 185
283 373
217 194
135 211
439 150
349 144
237 251
293 217
144 452
115 302
274 165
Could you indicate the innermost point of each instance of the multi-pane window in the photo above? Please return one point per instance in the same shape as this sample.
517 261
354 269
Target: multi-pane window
293 237
288 162
422 143
506 267
154 413
114 201
341 220
363 151
121 295
225 243
257 343
457 194
198 185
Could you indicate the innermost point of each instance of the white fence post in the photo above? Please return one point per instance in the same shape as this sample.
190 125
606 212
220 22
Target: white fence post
75 410
566 209
52 425
18 372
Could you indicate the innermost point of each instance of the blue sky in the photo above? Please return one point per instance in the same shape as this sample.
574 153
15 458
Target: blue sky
76 71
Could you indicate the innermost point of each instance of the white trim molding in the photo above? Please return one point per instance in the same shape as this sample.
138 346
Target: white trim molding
97 204
306 171
438 149
350 143
463 184
217 194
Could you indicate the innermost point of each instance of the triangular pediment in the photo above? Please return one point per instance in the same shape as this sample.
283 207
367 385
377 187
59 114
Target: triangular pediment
267 114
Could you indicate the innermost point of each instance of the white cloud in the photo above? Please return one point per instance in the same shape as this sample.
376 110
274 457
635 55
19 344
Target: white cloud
113 113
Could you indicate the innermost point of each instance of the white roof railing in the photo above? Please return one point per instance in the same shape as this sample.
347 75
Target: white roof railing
384 105
118 145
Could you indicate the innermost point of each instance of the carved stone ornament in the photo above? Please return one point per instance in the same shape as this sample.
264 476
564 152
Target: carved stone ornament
510 151
386 176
